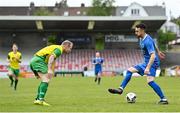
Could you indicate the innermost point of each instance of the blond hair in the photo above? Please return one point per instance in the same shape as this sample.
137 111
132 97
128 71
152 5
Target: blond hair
67 42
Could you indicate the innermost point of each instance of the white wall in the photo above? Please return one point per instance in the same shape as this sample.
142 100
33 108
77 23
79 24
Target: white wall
170 26
134 5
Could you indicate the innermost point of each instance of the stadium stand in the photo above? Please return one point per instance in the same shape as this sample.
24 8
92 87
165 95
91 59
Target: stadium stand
115 60
17 24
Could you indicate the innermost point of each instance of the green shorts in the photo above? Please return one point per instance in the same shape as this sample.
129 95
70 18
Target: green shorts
14 71
38 64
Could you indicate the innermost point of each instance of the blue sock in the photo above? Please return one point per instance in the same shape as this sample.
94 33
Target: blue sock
126 79
157 89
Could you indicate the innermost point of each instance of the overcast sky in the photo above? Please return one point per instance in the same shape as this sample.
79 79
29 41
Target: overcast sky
171 5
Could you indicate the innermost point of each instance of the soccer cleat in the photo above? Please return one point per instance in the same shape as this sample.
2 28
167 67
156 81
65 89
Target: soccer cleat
41 102
163 101
45 103
116 91
36 102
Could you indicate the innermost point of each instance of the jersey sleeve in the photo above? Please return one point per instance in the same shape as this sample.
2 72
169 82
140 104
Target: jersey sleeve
93 61
8 56
20 56
56 52
150 47
102 60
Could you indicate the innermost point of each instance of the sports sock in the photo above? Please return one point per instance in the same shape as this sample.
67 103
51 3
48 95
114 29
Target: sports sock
16 82
157 89
95 79
42 90
11 78
126 79
99 80
38 92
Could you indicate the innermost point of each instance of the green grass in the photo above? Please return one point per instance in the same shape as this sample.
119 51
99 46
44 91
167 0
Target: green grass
67 94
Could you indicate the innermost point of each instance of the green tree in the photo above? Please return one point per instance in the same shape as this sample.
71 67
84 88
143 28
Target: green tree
43 12
101 8
164 38
176 20
51 39
99 41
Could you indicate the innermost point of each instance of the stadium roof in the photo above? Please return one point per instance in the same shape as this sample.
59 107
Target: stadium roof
78 23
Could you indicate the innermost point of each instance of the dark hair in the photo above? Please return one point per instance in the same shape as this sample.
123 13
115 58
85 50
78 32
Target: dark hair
141 26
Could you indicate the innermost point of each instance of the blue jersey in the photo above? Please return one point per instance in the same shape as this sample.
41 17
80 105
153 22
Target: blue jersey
98 63
147 44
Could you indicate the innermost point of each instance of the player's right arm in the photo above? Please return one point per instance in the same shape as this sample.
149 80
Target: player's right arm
56 53
18 59
151 51
50 62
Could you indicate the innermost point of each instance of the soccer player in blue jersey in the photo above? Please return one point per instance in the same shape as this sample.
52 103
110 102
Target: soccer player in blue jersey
98 61
149 67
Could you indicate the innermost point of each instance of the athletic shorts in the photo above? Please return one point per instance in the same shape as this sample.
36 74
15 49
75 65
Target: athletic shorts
141 68
14 71
98 71
38 64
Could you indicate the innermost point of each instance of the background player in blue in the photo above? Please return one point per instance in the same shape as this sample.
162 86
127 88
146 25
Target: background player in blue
98 61
149 67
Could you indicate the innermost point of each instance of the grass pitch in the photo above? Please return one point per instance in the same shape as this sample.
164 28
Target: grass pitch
78 94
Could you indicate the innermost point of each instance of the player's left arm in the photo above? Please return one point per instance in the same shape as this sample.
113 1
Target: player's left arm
160 53
19 58
151 50
102 62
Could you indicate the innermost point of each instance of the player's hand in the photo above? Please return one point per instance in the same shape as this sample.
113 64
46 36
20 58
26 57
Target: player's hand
146 71
13 59
161 55
17 58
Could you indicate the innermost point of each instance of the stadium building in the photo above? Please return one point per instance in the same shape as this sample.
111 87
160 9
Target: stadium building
112 35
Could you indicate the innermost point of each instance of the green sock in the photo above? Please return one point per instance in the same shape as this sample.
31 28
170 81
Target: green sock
99 80
38 92
11 78
42 90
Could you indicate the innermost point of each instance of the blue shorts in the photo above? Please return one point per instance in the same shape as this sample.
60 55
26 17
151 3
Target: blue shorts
142 67
98 71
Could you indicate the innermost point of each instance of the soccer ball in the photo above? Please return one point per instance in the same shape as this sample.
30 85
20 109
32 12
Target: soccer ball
131 97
